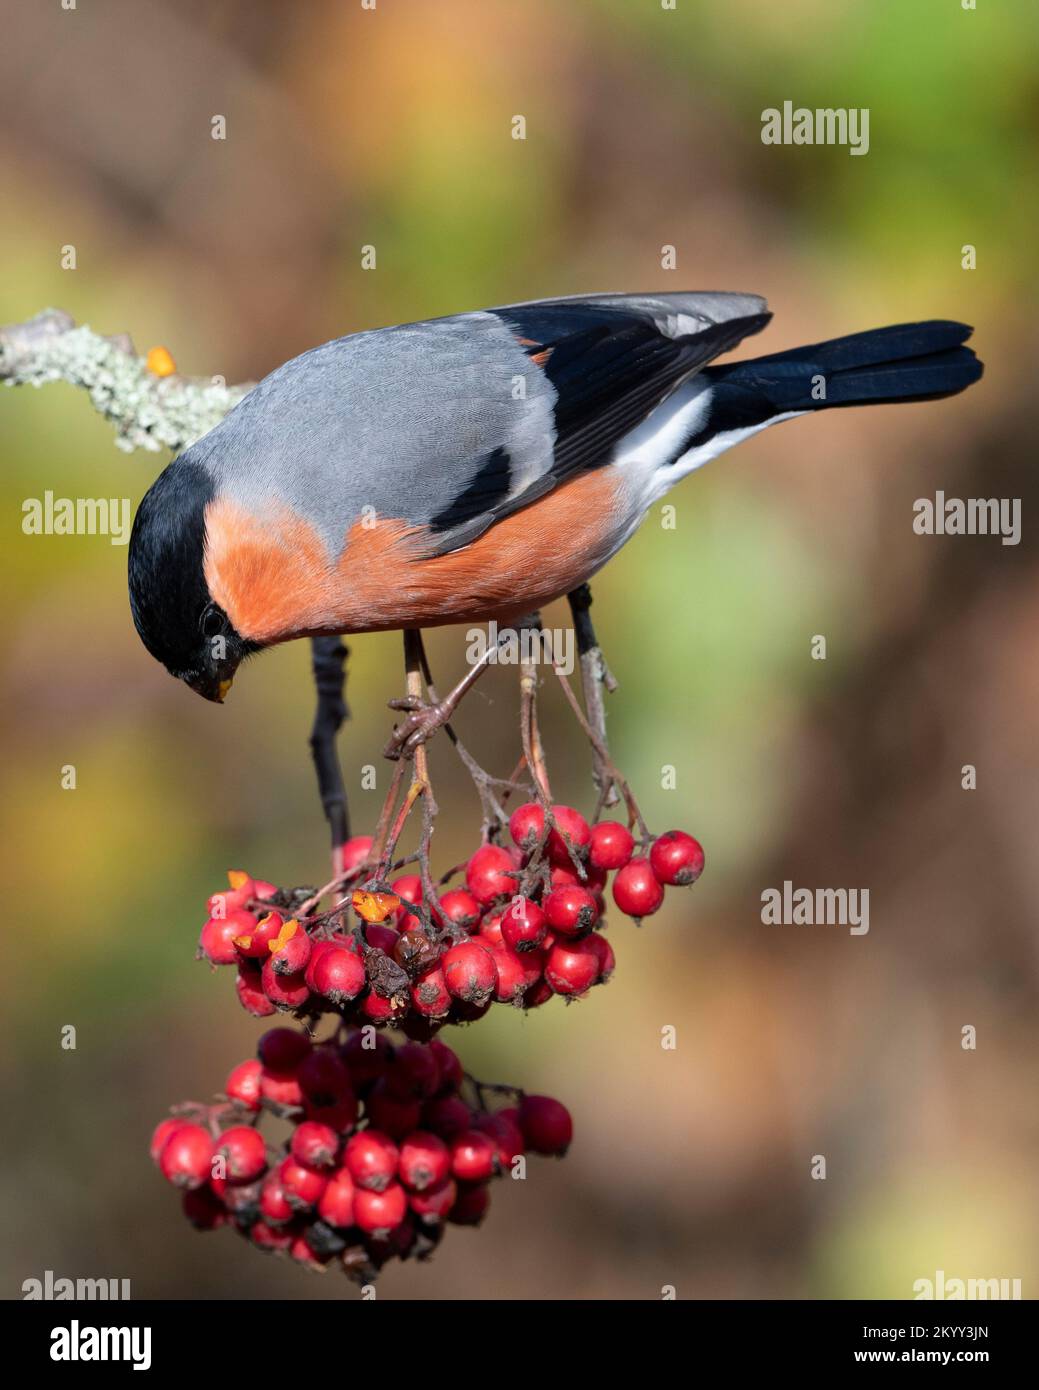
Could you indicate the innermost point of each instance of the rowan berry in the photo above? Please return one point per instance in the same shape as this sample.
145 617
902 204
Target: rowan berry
474 1156
459 908
314 1145
636 890
425 1161
676 858
187 1155
471 1204
372 1159
336 1204
572 967
469 972
378 1213
612 845
546 1125
244 1153
569 837
571 911
523 925
243 1084
491 874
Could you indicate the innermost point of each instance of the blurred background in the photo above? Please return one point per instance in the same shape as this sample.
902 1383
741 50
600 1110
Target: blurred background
347 127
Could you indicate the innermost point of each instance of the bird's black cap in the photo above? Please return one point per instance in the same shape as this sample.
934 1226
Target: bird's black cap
173 610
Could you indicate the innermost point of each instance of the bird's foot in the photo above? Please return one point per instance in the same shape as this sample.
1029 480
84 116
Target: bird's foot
424 718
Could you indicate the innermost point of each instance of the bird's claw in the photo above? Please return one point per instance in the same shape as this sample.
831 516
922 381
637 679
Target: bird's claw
422 722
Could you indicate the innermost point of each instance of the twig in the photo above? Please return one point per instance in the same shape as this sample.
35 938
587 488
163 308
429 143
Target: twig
150 409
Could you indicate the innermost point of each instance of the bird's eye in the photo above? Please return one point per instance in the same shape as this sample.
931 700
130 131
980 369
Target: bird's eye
212 621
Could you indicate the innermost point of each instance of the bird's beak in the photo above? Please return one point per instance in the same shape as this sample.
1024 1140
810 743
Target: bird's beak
212 689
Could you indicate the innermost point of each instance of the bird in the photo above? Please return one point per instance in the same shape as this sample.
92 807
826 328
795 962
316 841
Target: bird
473 467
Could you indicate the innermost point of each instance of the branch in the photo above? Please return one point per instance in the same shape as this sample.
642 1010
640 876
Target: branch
150 405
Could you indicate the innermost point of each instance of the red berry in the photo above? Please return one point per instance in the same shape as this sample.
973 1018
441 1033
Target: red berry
187 1156
281 1087
266 1237
409 889
337 1201
460 908
314 1145
283 1049
490 874
570 826
337 974
378 1213
381 936
446 1116
216 938
275 1207
386 1112
449 1069
372 1159
243 1084
204 1209
469 972
433 1203
244 1152
241 890
604 953
413 1073
342 1116
526 824
676 858
324 1078
305 1252
636 890
249 988
301 1184
571 911
539 993
367 1054
429 994
490 929
286 992
424 1161
516 973
572 967
355 851
506 1134
612 845
546 1125
376 1009
165 1128
523 925
470 1205
474 1156
292 953
253 941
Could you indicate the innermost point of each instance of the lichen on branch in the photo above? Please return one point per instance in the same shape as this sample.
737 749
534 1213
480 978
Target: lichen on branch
148 410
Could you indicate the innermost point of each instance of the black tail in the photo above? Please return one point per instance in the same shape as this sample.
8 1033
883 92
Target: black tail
908 362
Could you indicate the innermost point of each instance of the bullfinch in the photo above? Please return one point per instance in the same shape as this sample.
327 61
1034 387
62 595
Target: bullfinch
474 467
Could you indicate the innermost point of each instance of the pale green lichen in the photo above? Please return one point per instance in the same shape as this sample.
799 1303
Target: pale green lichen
148 411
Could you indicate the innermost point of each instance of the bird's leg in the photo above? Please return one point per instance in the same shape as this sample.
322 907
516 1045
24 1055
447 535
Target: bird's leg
328 658
595 677
530 733
424 717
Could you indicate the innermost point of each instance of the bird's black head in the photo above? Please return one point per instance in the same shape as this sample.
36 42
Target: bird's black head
173 611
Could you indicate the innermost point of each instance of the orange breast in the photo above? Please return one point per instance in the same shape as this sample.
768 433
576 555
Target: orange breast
275 579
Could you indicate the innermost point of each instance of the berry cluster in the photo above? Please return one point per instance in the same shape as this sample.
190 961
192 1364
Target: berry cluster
385 1148
528 925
